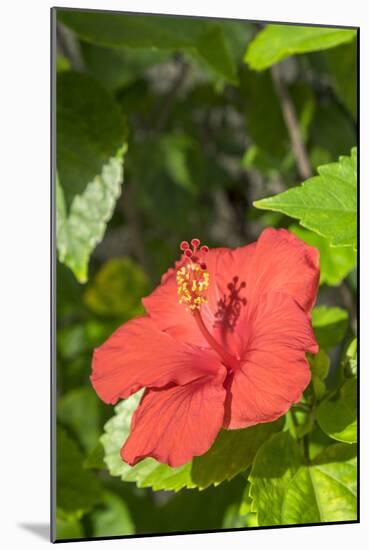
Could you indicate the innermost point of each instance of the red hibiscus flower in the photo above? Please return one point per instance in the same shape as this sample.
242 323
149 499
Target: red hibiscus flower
222 345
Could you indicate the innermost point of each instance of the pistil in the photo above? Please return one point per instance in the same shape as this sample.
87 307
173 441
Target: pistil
193 282
229 360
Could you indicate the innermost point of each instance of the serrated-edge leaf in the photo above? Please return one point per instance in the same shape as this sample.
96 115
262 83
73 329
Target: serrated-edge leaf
116 431
303 202
285 490
84 227
222 462
323 491
275 464
232 453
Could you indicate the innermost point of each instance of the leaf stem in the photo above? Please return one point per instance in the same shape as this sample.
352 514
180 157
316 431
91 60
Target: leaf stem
303 407
305 442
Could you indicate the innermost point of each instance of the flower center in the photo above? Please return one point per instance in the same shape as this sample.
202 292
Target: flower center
192 278
193 283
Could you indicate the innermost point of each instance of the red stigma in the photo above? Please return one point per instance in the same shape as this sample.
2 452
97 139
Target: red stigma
192 250
184 245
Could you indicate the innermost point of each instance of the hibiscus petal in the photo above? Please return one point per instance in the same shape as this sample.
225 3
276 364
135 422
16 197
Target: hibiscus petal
284 263
227 296
274 371
175 424
139 355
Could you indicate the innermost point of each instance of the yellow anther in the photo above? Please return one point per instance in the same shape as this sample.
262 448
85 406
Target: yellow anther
192 282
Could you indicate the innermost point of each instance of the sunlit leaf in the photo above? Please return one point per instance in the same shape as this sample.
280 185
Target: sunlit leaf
275 42
249 518
337 415
349 362
325 204
319 365
325 490
83 228
336 262
330 325
285 490
276 462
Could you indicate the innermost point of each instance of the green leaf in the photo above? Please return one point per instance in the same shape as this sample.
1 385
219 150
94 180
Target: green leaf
275 42
112 518
117 289
238 34
62 64
349 363
233 519
201 38
318 441
330 325
336 262
79 410
68 528
271 148
324 491
249 518
116 68
337 415
90 130
276 462
116 432
174 148
342 62
95 458
78 233
287 491
232 452
325 204
329 115
319 365
77 489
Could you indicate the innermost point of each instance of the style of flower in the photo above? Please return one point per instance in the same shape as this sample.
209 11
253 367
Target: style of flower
222 346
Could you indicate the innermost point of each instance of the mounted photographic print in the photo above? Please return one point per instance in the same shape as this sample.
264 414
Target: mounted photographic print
205 286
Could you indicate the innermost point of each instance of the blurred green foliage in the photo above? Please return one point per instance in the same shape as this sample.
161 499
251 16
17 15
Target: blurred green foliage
203 136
